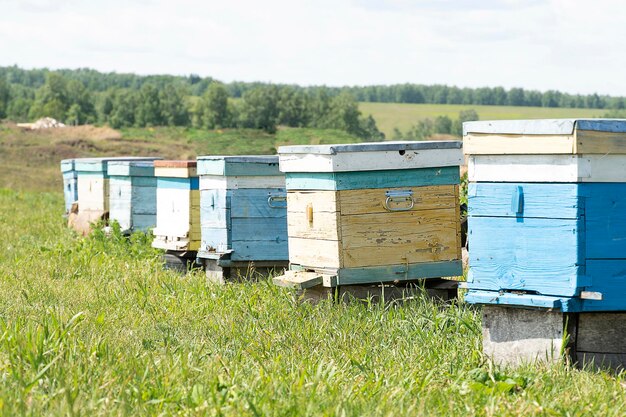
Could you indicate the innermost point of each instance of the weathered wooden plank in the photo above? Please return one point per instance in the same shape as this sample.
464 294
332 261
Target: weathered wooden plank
258 203
212 182
374 200
564 304
313 215
537 200
370 147
314 252
371 161
298 279
605 217
93 193
608 278
260 250
595 142
248 165
514 336
521 127
515 144
178 183
372 179
131 168
399 237
322 201
404 272
508 253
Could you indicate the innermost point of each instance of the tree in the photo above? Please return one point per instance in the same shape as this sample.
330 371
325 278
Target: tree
259 109
468 115
51 98
124 109
212 109
148 111
173 108
5 96
442 124
80 103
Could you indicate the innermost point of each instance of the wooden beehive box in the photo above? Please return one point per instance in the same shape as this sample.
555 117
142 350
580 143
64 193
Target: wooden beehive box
132 194
546 204
374 212
178 206
70 189
243 208
93 181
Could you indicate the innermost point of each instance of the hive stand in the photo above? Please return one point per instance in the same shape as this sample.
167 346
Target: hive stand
513 336
547 236
178 213
243 213
372 213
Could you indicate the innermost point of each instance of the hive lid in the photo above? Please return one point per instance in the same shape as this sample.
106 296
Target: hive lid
545 136
375 156
100 164
67 165
371 147
242 165
544 126
131 168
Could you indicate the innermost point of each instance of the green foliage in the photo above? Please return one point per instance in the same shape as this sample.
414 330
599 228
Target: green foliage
442 125
212 108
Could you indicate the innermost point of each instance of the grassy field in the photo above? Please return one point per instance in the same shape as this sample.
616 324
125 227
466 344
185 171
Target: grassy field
29 160
403 116
95 326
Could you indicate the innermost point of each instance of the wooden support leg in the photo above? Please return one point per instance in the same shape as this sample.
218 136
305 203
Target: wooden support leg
601 340
180 262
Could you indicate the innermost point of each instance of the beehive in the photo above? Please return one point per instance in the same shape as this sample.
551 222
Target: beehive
70 189
178 206
374 212
546 205
132 194
93 181
243 210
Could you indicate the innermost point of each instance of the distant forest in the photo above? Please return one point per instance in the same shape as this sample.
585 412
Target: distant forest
122 100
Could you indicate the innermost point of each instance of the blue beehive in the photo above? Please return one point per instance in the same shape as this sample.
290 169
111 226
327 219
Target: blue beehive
243 211
546 204
132 194
70 189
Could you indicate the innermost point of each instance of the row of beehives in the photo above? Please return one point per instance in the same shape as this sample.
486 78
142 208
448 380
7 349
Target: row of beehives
545 204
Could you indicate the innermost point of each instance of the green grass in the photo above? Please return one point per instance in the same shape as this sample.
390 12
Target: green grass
403 116
94 326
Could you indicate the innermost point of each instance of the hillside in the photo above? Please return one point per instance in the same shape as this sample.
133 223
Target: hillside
403 116
29 160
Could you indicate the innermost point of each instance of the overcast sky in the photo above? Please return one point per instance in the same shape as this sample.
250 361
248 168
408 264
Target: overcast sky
570 45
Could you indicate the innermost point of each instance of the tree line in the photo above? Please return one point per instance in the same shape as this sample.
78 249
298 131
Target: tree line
79 97
95 81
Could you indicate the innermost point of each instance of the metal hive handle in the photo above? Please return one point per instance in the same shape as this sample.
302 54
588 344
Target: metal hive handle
397 196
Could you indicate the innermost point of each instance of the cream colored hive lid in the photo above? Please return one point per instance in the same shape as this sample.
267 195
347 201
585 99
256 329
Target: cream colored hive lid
370 156
545 136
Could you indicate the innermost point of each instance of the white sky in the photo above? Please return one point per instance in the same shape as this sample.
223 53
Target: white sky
569 45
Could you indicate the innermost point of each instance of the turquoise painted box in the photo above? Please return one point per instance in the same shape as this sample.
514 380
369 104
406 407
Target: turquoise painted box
70 189
132 195
243 209
547 214
373 213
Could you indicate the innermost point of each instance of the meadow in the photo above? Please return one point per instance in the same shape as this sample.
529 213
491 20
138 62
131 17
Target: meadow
401 115
95 326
